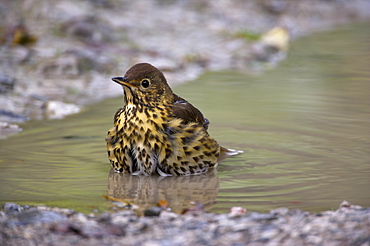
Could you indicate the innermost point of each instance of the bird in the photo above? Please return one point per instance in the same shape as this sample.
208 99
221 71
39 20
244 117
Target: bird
159 132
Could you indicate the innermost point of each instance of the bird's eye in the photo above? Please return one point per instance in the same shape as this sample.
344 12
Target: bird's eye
145 83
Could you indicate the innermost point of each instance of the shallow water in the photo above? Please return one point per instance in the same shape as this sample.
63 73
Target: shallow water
304 127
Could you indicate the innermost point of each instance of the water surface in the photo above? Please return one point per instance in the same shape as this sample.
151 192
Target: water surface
304 127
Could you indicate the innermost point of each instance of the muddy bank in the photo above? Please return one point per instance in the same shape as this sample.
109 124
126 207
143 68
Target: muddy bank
56 56
22 225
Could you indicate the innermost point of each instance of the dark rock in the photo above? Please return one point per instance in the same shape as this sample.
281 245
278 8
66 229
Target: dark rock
33 216
11 207
88 230
153 211
12 117
6 84
260 217
105 217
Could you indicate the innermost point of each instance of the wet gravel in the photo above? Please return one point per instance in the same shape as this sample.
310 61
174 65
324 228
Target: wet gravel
22 225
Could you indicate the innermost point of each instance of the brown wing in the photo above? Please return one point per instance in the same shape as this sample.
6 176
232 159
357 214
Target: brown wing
186 111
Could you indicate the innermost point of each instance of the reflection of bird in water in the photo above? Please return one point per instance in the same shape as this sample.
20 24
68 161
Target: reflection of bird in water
159 132
180 192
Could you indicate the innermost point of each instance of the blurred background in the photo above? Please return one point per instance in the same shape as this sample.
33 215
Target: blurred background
66 51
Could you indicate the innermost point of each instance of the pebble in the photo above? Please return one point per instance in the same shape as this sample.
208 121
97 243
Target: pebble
58 110
237 212
166 215
7 129
153 211
11 207
35 216
6 84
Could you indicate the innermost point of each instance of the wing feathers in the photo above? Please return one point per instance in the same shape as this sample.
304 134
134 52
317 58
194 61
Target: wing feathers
186 111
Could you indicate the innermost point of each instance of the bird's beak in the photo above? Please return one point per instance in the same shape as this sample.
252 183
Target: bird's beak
122 81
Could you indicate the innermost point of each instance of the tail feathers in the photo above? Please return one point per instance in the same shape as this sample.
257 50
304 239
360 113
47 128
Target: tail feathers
232 151
224 153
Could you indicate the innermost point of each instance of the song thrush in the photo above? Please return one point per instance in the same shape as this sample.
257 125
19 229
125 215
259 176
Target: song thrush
157 131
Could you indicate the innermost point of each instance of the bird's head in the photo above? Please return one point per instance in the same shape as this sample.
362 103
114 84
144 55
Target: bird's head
146 85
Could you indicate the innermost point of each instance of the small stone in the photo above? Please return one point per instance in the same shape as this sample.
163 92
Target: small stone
65 211
10 126
11 207
58 110
277 37
80 217
269 232
345 204
6 84
240 227
3 217
120 220
153 211
168 215
7 129
9 116
33 216
261 217
104 217
122 217
43 208
280 211
237 212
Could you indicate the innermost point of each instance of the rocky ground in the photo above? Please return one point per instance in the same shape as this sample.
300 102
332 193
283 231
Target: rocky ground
56 56
348 225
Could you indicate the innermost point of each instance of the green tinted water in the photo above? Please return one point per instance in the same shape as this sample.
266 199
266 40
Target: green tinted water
304 127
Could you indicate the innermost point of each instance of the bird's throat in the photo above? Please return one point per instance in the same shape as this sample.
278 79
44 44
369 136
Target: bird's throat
128 95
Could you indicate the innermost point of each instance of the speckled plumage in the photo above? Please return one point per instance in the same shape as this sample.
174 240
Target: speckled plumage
157 131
